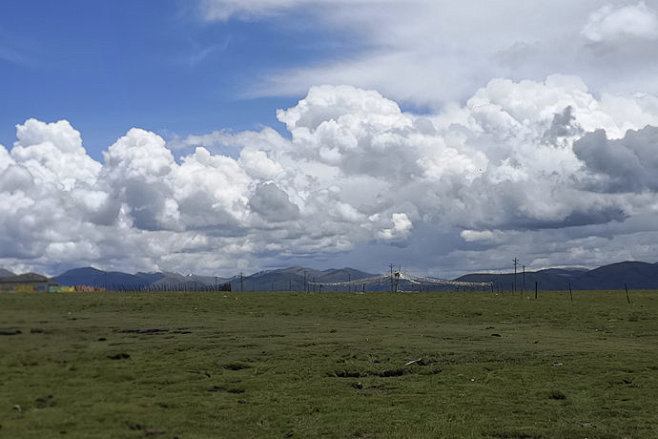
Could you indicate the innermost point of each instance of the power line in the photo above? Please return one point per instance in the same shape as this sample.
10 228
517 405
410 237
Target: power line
404 275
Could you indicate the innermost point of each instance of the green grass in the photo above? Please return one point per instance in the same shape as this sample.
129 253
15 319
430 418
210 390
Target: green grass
261 365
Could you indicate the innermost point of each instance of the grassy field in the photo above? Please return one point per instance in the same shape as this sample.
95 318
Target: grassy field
335 365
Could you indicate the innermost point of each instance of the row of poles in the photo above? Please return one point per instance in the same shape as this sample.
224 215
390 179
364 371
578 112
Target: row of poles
516 261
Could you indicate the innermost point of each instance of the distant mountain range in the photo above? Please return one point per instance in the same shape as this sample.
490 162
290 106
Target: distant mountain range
635 275
6 273
295 279
116 280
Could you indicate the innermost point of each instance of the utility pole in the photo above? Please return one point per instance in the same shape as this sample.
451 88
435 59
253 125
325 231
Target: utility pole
516 261
241 284
391 277
523 290
349 282
305 286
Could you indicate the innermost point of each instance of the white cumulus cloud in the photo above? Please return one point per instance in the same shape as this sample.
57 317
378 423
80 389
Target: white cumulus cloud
526 167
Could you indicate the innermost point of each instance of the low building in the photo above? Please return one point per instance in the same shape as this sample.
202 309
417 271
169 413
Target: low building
27 282
88 289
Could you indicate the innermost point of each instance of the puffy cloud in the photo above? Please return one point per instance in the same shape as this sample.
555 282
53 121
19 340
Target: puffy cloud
60 135
5 158
478 235
516 167
401 227
139 154
136 169
273 204
362 169
211 191
47 189
53 154
258 165
629 164
630 21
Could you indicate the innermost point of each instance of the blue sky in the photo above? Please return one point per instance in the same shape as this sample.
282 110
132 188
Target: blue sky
107 67
218 136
